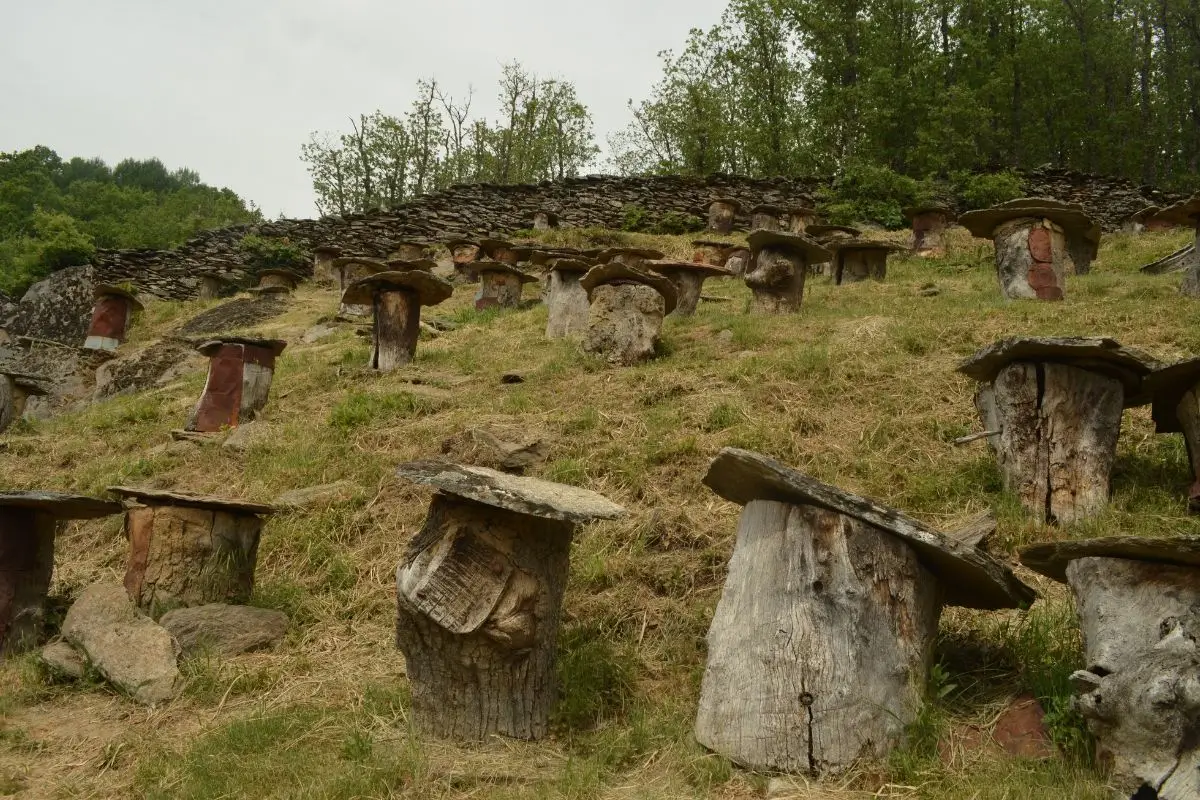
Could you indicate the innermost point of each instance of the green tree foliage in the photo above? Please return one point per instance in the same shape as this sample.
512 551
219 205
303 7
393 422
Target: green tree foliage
928 88
55 213
544 133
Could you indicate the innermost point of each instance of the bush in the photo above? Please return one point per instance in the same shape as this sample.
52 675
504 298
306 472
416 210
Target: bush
56 243
265 253
988 189
869 193
634 218
674 223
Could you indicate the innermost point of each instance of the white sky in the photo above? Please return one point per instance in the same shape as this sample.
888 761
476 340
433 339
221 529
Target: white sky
232 89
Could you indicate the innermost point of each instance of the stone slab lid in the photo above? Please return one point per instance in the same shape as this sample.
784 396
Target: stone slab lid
162 497
59 504
328 249
928 208
969 576
532 496
1100 354
1145 213
400 265
36 385
801 211
668 266
766 208
283 273
1185 212
570 264
1051 558
268 290
818 231
491 245
500 266
409 243
813 251
429 288
609 253
112 290
216 276
1166 387
1071 217
453 243
373 264
727 201
211 346
616 272
863 244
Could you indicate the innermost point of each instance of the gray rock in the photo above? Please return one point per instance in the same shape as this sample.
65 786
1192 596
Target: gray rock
225 630
624 322
318 332
58 308
129 649
484 448
241 437
63 661
311 496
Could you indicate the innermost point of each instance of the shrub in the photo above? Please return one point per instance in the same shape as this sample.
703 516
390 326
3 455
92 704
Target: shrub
869 193
634 218
267 253
988 189
674 223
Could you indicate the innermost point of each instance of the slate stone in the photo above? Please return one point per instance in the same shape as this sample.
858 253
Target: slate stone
224 630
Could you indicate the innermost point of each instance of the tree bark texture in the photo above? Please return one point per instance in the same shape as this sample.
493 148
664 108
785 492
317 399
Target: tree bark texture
929 234
10 398
184 556
498 289
567 306
1141 691
210 289
1188 413
776 280
397 328
818 652
479 601
1030 260
26 564
323 272
1058 436
1191 278
766 222
237 388
624 322
689 284
859 265
720 217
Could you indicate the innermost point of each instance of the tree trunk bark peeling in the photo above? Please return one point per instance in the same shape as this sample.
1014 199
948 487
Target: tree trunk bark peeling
820 645
624 322
776 280
479 601
1141 691
1058 436
1030 259
1188 414
567 305
859 265
221 403
928 234
1190 286
498 289
26 564
397 329
182 556
720 217
689 284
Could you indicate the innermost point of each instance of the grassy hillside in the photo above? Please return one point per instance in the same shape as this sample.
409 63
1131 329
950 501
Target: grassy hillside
858 390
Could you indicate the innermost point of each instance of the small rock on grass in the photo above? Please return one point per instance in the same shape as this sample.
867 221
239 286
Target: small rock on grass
63 661
311 496
225 630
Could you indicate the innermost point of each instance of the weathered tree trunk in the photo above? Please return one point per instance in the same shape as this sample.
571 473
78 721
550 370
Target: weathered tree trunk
480 596
26 564
544 221
210 288
1188 413
1141 691
1058 436
186 556
859 265
763 221
498 289
397 328
1080 254
1191 278
323 271
777 281
10 399
689 284
720 216
567 305
624 322
929 234
820 645
237 388
1030 259
738 262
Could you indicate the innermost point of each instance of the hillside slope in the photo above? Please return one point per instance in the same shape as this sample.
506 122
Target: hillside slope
858 390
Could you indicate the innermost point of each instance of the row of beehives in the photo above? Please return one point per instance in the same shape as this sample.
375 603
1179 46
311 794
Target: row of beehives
818 651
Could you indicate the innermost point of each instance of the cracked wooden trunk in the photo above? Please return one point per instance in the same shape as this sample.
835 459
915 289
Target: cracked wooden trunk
186 556
624 322
820 645
929 234
397 327
26 563
854 266
479 601
1058 436
776 280
720 216
1031 259
110 319
237 387
566 305
498 290
690 284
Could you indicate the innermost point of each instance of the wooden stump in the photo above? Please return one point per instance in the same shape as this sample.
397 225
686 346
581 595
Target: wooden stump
397 327
464 255
566 304
721 214
408 251
688 279
238 386
212 286
624 322
323 270
855 264
1058 436
1081 252
498 289
26 564
819 649
797 220
189 550
929 229
1030 259
278 279
765 219
1191 277
738 261
544 220
15 390
776 280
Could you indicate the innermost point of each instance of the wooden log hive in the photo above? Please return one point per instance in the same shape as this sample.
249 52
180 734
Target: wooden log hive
15 389
566 300
408 250
1174 392
111 315
1054 407
351 269
464 253
765 217
500 285
1185 213
713 253
278 280
238 384
213 285
625 313
797 218
721 214
929 225
857 260
324 272
479 597
189 549
544 220
821 642
828 236
29 522
778 267
396 298
688 277
1138 603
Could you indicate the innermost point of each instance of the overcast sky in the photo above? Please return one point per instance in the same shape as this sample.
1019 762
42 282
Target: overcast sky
232 89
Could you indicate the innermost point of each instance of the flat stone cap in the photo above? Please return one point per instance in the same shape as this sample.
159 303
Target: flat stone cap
729 201
373 264
60 505
1185 212
824 230
800 211
212 345
501 266
1166 387
1051 558
161 497
429 288
283 273
400 265
570 264
37 385
928 208
982 223
409 243
328 249
969 576
1145 214
707 270
616 272
532 496
1100 355
609 253
766 208
863 244
111 290
813 251
491 245
453 243
214 275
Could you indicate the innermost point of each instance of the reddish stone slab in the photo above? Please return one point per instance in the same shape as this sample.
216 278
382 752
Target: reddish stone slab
1040 245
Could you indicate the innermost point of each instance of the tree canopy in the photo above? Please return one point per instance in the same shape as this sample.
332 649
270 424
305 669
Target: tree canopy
55 213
